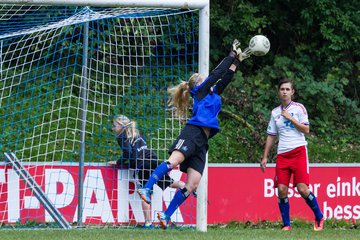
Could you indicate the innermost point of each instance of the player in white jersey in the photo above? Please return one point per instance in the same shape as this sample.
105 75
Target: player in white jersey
289 137
289 122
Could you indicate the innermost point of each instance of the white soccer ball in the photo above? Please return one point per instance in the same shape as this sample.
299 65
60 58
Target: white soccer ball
259 45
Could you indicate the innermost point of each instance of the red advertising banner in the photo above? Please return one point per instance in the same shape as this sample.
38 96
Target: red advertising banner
236 192
244 193
109 195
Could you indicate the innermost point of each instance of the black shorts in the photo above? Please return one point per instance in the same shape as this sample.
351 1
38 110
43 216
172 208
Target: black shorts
144 169
193 143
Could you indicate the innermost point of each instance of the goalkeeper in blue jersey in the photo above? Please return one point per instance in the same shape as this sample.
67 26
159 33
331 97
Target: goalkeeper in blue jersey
189 149
136 155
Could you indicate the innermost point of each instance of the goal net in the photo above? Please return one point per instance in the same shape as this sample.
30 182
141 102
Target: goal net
66 72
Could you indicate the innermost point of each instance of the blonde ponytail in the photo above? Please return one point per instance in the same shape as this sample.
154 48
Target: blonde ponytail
180 95
179 98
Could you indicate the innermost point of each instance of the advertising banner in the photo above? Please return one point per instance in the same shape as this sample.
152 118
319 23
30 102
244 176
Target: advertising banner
236 192
243 193
109 195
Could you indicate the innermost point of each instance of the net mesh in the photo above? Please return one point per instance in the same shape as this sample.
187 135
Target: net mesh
128 60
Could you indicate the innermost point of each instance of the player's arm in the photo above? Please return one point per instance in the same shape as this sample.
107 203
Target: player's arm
304 128
270 140
222 83
219 72
226 67
223 73
238 56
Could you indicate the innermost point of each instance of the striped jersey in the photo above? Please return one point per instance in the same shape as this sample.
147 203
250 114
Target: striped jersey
289 137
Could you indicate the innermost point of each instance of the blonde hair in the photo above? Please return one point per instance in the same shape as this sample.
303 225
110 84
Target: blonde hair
180 95
129 126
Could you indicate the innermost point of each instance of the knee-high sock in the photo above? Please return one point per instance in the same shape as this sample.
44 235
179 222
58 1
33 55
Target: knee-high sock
284 207
158 173
313 204
179 198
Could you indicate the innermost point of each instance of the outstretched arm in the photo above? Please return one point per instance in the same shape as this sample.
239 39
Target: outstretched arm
219 71
225 80
224 72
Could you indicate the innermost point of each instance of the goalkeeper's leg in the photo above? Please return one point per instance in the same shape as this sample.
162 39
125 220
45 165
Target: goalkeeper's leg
180 196
175 159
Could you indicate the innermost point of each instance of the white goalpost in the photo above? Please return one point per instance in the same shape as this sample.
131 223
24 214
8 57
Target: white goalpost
67 68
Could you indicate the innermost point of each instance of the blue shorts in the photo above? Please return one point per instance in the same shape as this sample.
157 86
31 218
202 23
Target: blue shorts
193 143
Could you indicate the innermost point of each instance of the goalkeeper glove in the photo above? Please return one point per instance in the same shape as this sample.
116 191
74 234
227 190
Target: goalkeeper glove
237 53
235 49
244 55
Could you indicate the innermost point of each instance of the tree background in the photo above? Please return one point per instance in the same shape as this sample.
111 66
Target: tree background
315 43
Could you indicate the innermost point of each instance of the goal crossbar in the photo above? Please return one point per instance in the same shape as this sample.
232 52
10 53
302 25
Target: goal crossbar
191 4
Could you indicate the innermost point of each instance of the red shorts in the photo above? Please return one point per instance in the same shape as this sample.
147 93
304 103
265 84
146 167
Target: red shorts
293 162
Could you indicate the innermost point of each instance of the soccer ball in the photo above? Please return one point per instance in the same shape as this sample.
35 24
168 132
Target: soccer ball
259 45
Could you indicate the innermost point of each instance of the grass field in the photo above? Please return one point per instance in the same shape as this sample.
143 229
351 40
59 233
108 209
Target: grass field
139 234
188 234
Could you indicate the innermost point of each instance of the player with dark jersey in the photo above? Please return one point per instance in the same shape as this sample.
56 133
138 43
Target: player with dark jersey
137 156
190 147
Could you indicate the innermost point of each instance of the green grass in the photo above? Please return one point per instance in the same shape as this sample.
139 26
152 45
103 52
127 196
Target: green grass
212 233
233 230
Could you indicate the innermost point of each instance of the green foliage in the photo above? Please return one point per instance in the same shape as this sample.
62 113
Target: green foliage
315 43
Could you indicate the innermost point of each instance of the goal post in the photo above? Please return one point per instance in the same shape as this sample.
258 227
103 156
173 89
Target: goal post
67 67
